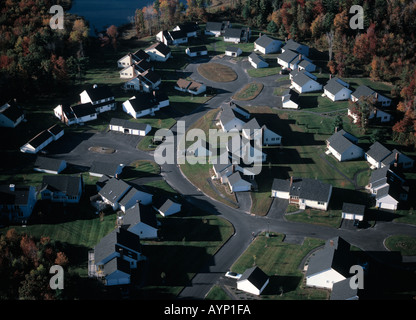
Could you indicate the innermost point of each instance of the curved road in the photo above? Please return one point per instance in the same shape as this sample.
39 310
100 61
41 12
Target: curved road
370 240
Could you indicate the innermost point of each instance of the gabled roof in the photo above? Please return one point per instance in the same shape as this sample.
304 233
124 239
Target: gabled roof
378 152
301 79
128 196
198 49
99 92
264 41
189 27
256 58
233 32
339 142
288 56
48 163
141 55
292 45
177 34
281 185
168 203
333 86
150 75
342 290
214 26
127 124
255 276
363 91
232 49
139 214
114 189
68 185
161 47
40 138
107 168
392 158
353 208
18 196
11 111
143 101
236 178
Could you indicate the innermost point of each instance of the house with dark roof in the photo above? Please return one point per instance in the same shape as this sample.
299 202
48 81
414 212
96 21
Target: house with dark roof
17 202
216 28
11 115
337 90
200 148
329 265
366 92
353 211
133 196
77 114
191 29
302 82
132 58
388 188
232 116
222 166
252 128
145 103
296 47
129 127
253 281
135 69
233 51
141 220
257 61
168 208
342 145
49 165
290 99
342 290
376 154
197 51
101 97
285 58
42 139
307 65
237 35
62 188
111 169
172 37
266 44
113 191
304 192
115 257
158 52
238 184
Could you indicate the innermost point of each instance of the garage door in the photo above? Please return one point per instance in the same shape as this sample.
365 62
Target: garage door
348 216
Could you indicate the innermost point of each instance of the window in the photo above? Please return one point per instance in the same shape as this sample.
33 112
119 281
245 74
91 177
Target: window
321 203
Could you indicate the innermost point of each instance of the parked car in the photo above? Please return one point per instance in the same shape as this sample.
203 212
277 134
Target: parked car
233 275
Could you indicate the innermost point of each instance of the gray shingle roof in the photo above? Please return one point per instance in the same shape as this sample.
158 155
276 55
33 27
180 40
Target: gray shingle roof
333 86
256 58
264 41
288 56
310 189
256 276
48 163
342 290
107 168
378 152
68 185
140 213
353 208
114 189
339 142
233 32
19 196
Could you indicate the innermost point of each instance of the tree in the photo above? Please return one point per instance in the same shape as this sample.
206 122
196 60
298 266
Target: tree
338 123
330 39
79 34
112 32
272 27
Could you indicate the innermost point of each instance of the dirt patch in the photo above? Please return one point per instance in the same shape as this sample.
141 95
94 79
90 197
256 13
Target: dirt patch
102 150
249 91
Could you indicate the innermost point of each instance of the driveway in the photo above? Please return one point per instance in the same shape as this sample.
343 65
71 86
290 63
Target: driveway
278 208
244 201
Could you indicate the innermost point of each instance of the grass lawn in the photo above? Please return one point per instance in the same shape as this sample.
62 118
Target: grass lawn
217 293
140 169
263 72
249 91
406 245
330 218
281 262
217 72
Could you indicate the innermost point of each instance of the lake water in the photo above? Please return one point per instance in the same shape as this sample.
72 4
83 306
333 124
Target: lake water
104 13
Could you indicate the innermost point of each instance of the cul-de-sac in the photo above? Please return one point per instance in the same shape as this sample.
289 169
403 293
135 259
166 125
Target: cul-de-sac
319 95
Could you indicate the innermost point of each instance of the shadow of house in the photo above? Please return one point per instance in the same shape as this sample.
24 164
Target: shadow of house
68 142
340 195
279 285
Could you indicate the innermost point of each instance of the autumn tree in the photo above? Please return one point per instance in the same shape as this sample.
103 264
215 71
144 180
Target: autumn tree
78 35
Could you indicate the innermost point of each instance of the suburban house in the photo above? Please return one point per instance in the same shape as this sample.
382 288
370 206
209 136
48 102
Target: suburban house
11 115
304 192
192 87
303 83
388 188
61 188
352 211
173 37
216 28
232 117
267 45
237 35
200 148
140 220
134 196
378 156
285 59
256 61
223 169
342 145
233 51
115 257
290 99
169 207
237 183
364 91
132 58
337 90
158 52
329 265
129 127
191 29
253 281
144 104
248 151
77 114
342 290
42 139
113 191
296 47
135 69
196 51
375 115
147 81
111 169
49 165
307 65
269 137
101 97
17 202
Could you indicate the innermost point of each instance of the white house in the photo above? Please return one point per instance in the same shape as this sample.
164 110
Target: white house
60 188
42 139
379 116
101 168
268 136
144 104
304 192
132 197
376 154
169 207
191 29
135 69
17 202
11 115
337 90
296 47
329 265
158 52
302 83
190 86
256 61
144 82
196 51
290 99
231 117
113 191
364 91
49 165
237 183
233 51
253 281
141 220
132 58
216 28
266 44
237 35
352 211
77 114
101 97
342 145
129 127
285 59
306 65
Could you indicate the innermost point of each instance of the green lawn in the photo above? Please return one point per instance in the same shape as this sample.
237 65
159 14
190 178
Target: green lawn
249 91
263 72
281 262
406 245
217 293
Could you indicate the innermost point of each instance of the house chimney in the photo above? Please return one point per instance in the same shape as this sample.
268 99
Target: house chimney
291 181
12 187
331 243
62 113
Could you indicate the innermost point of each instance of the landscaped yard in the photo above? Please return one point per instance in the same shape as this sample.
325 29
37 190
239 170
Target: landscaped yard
217 72
249 91
263 72
282 263
406 245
